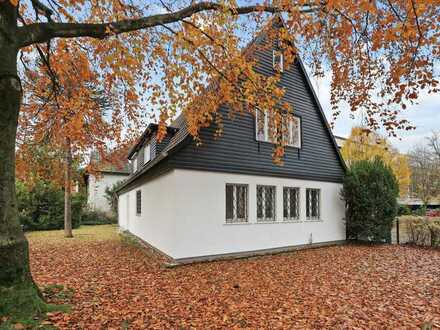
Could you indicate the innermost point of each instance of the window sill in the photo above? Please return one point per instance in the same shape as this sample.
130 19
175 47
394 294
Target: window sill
272 143
237 223
292 221
269 222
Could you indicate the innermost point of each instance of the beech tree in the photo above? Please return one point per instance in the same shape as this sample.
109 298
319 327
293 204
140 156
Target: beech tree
70 118
380 54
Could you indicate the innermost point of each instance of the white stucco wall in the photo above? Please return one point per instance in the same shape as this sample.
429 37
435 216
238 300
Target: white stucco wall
96 190
183 214
156 223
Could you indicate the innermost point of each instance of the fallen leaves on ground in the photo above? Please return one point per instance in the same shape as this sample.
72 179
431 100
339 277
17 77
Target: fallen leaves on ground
116 285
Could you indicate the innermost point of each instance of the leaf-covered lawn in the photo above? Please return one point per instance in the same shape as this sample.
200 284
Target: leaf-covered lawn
112 284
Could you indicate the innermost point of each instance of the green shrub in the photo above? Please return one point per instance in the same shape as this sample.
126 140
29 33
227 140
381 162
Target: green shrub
42 207
404 210
97 218
420 211
370 191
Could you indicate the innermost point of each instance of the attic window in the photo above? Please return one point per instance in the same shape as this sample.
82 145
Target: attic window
147 153
291 133
135 163
278 60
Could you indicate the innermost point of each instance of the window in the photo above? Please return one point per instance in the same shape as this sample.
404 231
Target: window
135 163
262 125
278 60
291 129
290 203
266 196
236 203
313 201
147 153
138 202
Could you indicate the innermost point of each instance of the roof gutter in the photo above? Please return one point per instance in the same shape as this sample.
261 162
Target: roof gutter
144 169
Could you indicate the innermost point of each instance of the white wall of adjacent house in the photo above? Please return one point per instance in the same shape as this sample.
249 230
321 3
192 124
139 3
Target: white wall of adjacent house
96 190
184 215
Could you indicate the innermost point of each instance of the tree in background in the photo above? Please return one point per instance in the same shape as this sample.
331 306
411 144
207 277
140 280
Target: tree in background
425 167
366 145
370 191
379 55
70 120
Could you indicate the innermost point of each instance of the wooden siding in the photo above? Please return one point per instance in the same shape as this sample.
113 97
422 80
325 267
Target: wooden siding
238 151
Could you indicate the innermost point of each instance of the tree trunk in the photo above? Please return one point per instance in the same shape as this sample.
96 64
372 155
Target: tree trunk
68 190
14 253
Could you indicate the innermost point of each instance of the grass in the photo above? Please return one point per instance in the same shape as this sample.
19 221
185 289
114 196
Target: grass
82 234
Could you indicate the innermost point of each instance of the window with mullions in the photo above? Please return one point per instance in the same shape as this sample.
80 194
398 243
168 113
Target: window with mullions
290 203
266 196
313 204
138 202
291 132
236 203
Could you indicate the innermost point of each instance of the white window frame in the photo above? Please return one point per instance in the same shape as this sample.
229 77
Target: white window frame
290 132
288 139
309 204
274 203
235 218
147 153
286 204
278 65
135 163
265 137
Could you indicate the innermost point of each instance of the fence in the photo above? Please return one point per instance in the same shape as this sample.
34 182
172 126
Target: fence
417 230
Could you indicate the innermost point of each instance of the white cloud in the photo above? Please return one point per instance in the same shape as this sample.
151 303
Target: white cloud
425 116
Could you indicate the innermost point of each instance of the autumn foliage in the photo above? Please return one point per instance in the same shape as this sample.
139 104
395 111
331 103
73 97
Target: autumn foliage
380 55
114 285
364 144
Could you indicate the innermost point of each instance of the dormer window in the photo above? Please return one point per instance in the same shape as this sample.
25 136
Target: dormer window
147 153
135 163
278 60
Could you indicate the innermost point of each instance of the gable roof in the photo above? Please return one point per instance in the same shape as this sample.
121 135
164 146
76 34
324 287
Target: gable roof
181 133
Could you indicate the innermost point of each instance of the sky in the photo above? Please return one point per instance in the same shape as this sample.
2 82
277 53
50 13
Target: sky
425 116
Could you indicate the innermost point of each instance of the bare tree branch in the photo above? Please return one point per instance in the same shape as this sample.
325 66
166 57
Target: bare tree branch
42 32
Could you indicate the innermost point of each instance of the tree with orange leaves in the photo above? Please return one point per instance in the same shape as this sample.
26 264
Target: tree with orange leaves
70 120
380 55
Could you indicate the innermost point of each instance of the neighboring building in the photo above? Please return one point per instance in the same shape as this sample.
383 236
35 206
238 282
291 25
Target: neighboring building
107 176
227 197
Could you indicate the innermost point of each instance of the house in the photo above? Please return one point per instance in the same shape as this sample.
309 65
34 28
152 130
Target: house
97 182
227 197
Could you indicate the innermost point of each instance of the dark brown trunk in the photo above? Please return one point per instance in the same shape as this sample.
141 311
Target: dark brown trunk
14 259
68 190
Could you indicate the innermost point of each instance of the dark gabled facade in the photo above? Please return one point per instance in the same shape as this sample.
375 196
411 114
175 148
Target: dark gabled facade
238 151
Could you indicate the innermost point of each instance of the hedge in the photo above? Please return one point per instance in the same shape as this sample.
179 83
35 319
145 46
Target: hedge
42 206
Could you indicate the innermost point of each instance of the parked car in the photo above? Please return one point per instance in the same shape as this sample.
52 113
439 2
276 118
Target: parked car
433 213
